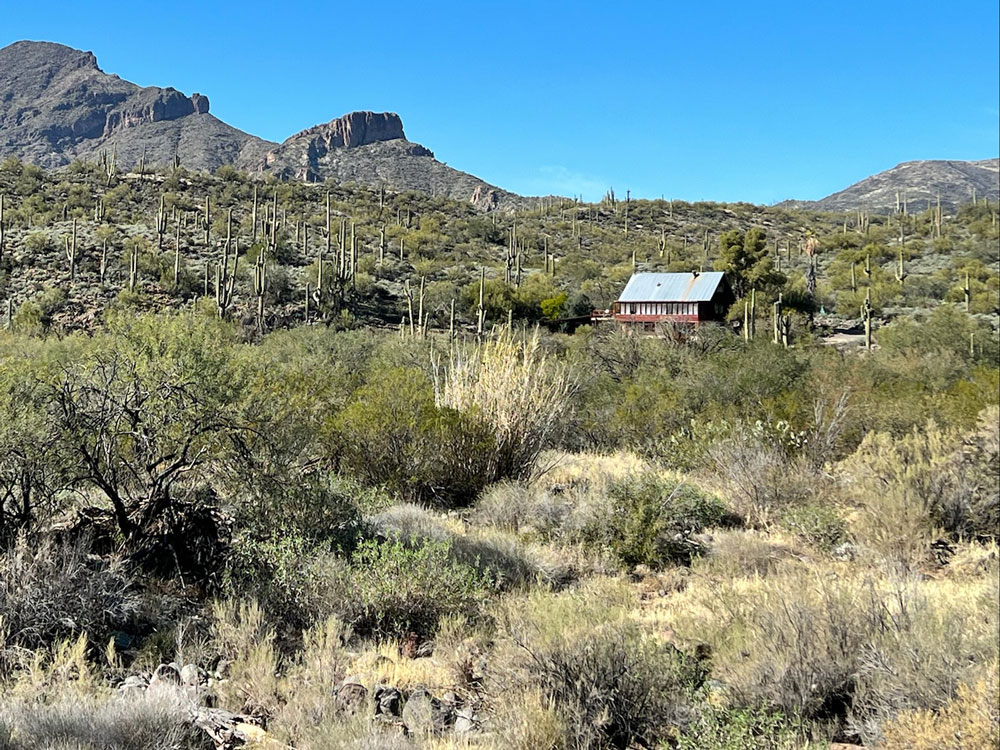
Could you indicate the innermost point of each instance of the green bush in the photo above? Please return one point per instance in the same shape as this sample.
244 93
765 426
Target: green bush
291 577
649 521
392 434
816 524
755 728
392 589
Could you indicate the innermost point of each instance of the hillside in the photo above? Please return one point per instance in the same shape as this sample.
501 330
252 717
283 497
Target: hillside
919 184
57 105
382 243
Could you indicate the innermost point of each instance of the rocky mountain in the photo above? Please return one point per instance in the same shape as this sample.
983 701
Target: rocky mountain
370 148
57 105
919 183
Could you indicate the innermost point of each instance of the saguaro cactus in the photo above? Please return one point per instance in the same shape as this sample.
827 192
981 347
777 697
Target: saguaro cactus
481 310
866 316
900 269
71 253
161 224
260 287
225 279
206 220
133 266
967 292
253 216
177 252
782 324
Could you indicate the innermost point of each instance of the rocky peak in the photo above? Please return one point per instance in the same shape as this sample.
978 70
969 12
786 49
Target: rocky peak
355 129
45 55
155 105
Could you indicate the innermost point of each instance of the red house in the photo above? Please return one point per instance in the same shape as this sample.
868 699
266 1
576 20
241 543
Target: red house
691 298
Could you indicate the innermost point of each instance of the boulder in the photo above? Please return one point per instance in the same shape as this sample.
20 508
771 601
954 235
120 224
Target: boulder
352 696
133 685
166 674
388 701
425 714
466 720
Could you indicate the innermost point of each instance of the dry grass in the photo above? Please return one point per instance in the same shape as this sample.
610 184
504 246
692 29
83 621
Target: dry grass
745 553
569 469
154 721
830 641
49 592
506 559
517 389
971 721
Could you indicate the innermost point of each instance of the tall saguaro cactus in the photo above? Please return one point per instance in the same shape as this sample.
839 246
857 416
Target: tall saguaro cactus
481 310
71 253
161 224
900 269
260 288
866 316
206 220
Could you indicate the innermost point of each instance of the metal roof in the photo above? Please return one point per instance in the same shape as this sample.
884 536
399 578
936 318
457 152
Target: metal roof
671 287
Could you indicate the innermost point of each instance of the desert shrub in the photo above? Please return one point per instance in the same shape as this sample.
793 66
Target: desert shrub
156 721
649 521
295 688
504 560
828 647
392 589
320 507
610 683
50 591
818 524
528 720
744 552
289 575
921 643
970 720
719 728
535 510
506 505
392 434
927 483
758 472
247 642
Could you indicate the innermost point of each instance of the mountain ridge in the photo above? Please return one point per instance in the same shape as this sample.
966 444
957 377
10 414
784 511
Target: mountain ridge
918 184
57 105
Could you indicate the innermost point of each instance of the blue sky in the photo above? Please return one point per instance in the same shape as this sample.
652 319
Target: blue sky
695 101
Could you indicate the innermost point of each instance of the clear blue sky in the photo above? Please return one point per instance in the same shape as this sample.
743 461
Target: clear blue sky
704 100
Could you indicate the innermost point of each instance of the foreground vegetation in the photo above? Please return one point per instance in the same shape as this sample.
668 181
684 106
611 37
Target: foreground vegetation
588 540
222 526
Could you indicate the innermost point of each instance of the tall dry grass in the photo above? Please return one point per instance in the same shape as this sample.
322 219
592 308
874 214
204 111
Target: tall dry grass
516 388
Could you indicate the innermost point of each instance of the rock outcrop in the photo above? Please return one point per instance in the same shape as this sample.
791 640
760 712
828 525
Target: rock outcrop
355 129
57 105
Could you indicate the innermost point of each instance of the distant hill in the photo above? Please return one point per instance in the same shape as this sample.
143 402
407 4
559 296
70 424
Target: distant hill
57 105
919 183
